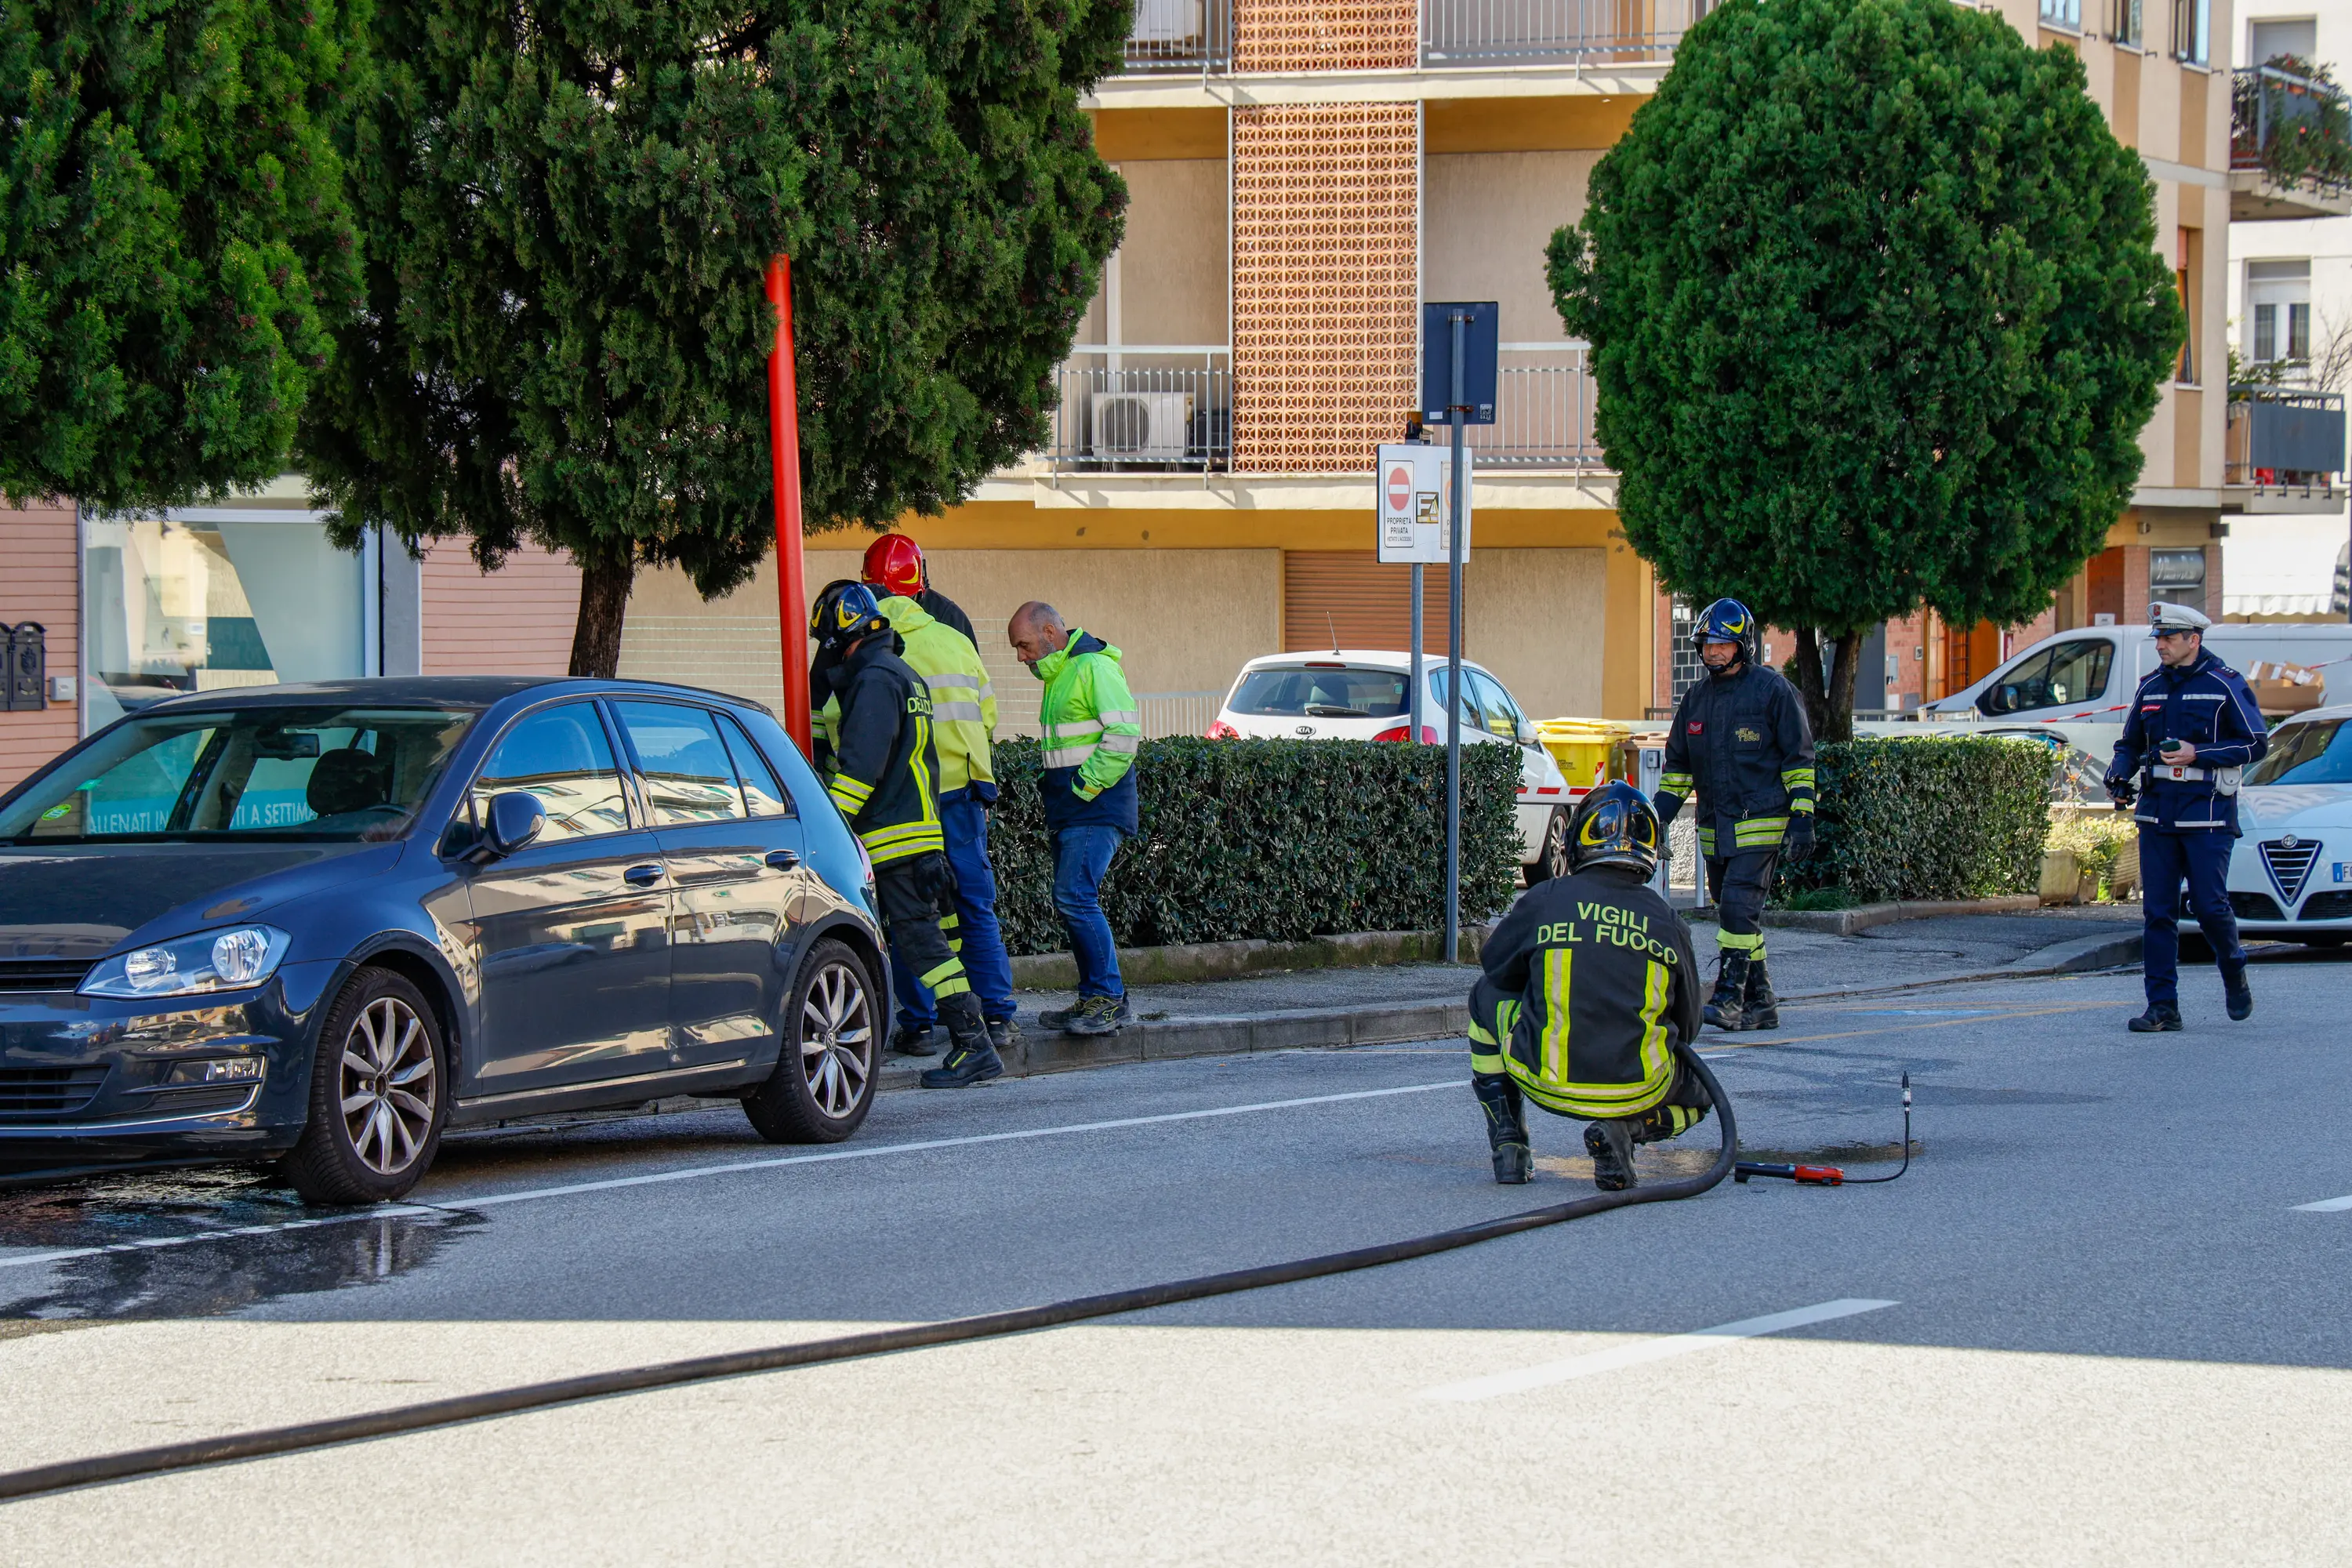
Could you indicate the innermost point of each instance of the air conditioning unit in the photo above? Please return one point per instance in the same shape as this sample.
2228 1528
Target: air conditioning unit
1166 21
1149 427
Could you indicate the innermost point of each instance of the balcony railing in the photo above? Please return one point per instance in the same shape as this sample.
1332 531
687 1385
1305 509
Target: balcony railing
2283 438
1543 411
1529 32
1181 36
1149 408
2293 129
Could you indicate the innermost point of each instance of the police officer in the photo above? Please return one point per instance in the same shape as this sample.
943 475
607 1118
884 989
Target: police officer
2193 726
1588 984
886 771
1740 736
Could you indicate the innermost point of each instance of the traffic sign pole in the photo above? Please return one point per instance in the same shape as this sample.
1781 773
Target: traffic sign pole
1459 410
1412 736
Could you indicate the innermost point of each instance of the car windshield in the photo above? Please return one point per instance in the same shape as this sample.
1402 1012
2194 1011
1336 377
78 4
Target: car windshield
2315 752
1321 692
308 773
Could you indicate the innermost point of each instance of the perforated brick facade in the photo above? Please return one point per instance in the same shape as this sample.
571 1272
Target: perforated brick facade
1327 283
1326 35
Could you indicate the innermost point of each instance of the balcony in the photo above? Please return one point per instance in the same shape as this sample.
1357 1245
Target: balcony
1173 36
2290 144
1543 412
2282 451
1181 36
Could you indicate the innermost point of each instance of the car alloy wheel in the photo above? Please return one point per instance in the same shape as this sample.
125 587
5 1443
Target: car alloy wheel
390 1091
836 1038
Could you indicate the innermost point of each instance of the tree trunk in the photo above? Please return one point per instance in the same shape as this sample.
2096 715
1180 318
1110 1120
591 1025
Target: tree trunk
1829 702
1809 679
604 581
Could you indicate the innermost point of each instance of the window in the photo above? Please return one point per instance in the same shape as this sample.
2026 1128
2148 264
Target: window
2273 38
2074 671
1683 666
2192 30
761 792
312 772
1499 713
2176 577
2128 27
2067 13
688 775
2316 752
561 756
1321 691
2278 302
1437 687
2184 282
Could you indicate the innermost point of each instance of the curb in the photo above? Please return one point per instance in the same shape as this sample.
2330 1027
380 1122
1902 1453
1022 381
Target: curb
1225 959
2076 955
1846 922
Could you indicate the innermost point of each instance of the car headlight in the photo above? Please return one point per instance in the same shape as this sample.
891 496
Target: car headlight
233 960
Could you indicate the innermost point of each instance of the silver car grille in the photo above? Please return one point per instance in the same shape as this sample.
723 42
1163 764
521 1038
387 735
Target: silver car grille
2289 863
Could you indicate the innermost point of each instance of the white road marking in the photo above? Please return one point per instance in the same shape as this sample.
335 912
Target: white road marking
2325 1206
1661 1349
698 1173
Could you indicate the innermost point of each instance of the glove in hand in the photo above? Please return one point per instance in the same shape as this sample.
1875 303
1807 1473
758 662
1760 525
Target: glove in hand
1798 841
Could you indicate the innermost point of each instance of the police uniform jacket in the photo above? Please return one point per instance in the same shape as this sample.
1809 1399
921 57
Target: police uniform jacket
1588 984
1743 742
887 767
2205 703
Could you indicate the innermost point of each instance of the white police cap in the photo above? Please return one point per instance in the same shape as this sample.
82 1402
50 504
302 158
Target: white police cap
2163 618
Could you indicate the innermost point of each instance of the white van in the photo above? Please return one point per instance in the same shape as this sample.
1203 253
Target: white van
2074 688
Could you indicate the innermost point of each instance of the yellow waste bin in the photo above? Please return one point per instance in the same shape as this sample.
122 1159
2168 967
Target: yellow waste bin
1585 749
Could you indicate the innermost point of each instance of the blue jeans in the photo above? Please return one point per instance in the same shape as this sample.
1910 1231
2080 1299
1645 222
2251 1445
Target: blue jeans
980 945
2202 860
1081 856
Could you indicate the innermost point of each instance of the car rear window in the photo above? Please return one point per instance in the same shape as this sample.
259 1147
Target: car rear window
2315 752
1324 691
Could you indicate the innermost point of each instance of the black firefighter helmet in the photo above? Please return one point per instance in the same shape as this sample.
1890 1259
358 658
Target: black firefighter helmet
844 613
1615 825
1725 620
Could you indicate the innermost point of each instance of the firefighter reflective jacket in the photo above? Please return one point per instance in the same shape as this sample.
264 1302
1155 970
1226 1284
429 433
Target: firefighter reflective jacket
1091 730
1590 983
886 769
963 703
1743 742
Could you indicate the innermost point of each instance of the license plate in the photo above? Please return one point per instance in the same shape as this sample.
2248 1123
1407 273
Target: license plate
2343 872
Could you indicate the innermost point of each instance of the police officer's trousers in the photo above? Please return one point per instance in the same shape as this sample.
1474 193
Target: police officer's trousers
915 894
1738 884
2165 860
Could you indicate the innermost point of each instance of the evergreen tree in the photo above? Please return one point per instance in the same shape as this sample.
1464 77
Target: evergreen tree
174 244
569 205
1878 316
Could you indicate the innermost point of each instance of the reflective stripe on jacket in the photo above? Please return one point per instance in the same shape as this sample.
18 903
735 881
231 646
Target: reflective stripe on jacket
1090 730
1741 743
963 703
885 768
2207 704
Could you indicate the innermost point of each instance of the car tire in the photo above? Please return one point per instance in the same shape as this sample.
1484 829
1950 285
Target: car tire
379 1095
825 1077
1551 857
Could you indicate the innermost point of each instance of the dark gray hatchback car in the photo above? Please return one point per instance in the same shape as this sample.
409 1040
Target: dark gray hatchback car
318 924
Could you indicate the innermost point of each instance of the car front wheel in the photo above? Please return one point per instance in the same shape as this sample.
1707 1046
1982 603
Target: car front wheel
824 1076
1552 859
378 1095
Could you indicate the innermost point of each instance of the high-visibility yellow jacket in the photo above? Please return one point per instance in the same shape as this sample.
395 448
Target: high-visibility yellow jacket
1092 729
963 703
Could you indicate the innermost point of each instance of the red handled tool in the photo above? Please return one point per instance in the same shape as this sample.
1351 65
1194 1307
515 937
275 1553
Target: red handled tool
1831 1176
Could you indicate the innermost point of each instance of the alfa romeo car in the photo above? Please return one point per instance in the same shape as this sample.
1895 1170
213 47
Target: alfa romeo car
2291 869
318 924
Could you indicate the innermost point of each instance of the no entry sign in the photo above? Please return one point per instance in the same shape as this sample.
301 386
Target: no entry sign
1414 504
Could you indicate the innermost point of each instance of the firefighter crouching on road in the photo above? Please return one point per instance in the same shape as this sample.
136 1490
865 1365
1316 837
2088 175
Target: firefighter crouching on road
1740 736
1590 983
2192 726
963 717
886 769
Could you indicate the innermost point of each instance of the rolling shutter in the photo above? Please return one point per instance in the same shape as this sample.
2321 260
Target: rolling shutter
1349 595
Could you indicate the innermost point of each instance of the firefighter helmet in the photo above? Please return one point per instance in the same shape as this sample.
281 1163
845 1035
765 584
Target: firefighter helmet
1614 825
1726 620
894 564
844 613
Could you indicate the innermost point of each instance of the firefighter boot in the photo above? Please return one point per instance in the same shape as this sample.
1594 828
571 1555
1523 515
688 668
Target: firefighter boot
1610 1141
1507 1130
971 1058
1763 1008
2240 996
1724 1009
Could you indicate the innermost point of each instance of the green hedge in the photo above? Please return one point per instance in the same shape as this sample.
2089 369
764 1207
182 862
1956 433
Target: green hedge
1929 818
1281 839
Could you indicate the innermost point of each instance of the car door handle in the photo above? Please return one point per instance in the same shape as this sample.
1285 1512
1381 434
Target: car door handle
785 859
641 876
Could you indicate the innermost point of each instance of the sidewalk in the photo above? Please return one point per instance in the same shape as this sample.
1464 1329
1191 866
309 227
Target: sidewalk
1424 1001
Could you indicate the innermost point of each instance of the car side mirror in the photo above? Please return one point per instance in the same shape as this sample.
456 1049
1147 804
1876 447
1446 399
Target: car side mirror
510 823
1526 731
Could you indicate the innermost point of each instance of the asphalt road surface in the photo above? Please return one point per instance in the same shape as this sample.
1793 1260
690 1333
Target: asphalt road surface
2097 1322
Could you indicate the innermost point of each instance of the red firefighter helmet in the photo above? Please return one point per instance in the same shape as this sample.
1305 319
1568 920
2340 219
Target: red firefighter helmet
895 563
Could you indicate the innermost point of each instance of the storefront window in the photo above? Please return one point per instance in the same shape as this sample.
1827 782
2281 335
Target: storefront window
203 603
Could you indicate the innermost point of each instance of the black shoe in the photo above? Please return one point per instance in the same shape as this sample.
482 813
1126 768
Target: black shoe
1610 1144
2240 995
1058 1018
1724 1009
1514 1164
1001 1033
910 1040
1762 1008
1099 1016
2161 1017
967 1064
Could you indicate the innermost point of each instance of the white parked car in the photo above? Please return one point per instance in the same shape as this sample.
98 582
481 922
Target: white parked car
1353 694
2291 873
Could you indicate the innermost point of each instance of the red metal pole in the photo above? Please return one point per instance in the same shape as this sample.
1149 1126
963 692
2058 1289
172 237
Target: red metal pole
784 445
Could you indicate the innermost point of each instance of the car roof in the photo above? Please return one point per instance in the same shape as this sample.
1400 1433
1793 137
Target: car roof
459 691
2340 710
1371 658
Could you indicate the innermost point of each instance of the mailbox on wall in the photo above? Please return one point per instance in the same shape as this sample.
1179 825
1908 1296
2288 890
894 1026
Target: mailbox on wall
26 671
